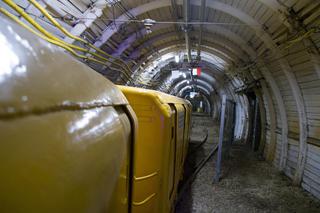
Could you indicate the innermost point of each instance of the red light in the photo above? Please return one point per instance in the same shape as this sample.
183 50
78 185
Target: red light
198 71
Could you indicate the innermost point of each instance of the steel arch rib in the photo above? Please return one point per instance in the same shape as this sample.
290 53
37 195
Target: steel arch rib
268 42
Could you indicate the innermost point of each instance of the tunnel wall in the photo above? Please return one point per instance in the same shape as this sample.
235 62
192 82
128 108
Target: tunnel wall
305 70
265 27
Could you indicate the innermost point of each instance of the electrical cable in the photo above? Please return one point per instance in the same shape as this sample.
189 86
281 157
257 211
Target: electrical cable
52 41
62 29
62 43
158 22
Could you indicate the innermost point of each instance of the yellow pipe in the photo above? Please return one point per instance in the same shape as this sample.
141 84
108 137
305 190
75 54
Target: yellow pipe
54 22
70 50
48 34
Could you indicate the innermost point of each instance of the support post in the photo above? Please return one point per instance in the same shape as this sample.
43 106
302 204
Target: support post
221 136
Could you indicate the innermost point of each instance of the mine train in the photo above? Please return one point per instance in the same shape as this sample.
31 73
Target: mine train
72 141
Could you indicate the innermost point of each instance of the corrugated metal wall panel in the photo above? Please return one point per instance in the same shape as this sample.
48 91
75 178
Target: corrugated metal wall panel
311 175
283 84
267 143
292 158
276 160
309 84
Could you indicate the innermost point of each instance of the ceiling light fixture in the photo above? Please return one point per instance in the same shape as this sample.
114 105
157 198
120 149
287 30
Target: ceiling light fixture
148 23
176 58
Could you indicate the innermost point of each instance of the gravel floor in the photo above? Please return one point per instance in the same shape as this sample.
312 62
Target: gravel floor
248 184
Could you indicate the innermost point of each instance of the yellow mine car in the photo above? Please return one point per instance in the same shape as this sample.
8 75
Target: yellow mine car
70 140
160 148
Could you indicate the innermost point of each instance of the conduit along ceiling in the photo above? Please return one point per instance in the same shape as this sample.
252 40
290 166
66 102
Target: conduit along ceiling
259 53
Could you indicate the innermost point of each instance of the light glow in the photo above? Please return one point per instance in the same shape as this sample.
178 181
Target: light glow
176 58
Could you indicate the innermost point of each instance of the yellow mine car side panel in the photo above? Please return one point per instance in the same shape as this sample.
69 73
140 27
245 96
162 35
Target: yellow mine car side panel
66 161
180 123
151 152
158 149
188 108
65 131
119 199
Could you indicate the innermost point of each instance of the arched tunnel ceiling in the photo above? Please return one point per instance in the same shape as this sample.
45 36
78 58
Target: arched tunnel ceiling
271 47
240 39
238 32
212 76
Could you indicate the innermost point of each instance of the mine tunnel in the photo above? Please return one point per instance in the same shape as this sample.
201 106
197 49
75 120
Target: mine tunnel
159 106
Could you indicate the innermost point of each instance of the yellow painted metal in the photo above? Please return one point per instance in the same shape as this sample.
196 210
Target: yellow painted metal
158 149
65 131
180 131
188 110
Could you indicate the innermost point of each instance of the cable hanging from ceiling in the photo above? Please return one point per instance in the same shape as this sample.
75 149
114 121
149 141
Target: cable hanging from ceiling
71 48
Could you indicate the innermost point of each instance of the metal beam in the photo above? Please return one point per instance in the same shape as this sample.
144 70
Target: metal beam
186 87
127 43
229 54
273 123
176 43
177 87
225 37
87 19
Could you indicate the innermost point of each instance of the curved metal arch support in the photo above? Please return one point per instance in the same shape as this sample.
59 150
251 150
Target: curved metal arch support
233 50
283 116
207 98
205 77
265 37
175 87
169 48
210 73
259 31
241 45
273 122
109 31
217 52
279 9
279 99
187 85
261 105
127 43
